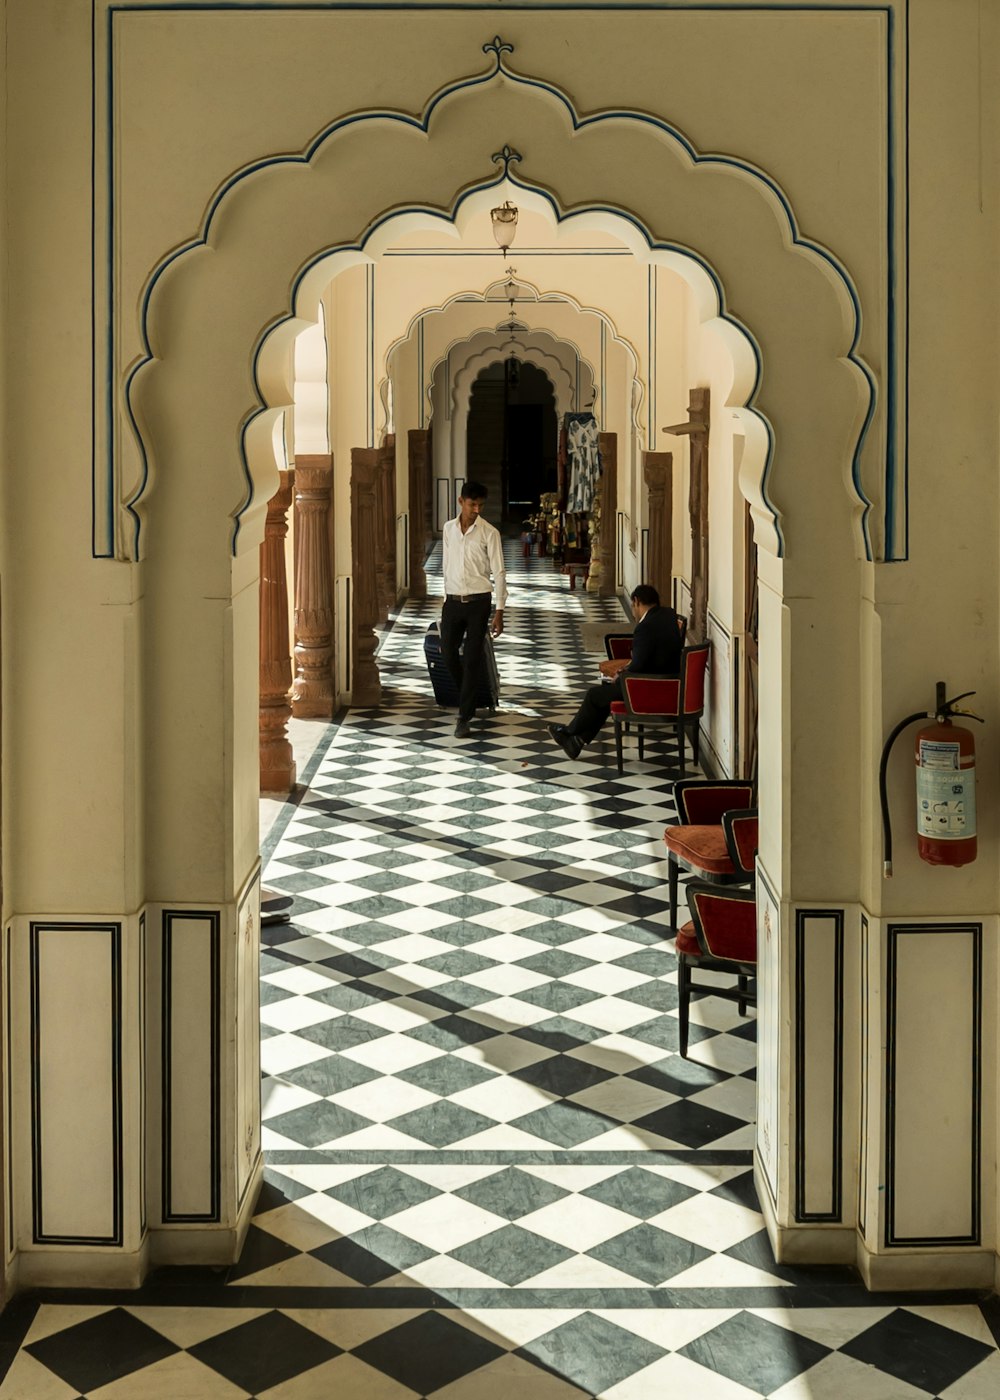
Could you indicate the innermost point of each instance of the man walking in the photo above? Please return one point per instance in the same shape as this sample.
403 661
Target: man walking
471 552
656 651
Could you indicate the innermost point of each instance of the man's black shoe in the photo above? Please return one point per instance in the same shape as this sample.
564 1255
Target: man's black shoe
463 729
570 744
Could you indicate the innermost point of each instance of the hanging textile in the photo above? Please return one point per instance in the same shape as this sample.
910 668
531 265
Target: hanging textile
584 461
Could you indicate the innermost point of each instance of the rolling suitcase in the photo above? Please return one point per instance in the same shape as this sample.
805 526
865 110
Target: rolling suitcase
445 693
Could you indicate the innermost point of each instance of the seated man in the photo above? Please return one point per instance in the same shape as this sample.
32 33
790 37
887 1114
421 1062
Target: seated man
656 651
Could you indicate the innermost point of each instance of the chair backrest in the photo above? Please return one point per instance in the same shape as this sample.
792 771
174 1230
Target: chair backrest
618 645
651 695
725 922
694 663
741 831
704 801
682 627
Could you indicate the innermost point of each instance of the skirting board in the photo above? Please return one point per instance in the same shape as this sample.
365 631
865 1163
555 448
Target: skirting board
211 1244
901 1271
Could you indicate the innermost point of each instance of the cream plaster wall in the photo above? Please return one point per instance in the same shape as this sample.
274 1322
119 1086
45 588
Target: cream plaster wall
129 739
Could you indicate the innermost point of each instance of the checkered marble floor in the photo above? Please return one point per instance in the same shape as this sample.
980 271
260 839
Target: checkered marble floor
489 1172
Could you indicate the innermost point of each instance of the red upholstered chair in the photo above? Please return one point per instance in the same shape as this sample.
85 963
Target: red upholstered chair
721 937
676 702
618 645
698 840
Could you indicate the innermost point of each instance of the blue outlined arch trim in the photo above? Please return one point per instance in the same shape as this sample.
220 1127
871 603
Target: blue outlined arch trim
499 67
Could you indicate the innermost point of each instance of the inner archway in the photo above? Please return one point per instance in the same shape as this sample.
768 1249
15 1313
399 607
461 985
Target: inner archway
512 431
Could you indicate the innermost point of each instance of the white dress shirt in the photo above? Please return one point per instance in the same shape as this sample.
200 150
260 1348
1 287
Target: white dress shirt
469 559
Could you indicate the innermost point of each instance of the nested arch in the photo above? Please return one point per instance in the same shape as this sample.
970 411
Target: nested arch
219 316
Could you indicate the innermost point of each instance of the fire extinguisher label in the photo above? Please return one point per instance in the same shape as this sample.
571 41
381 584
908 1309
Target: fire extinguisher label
937 754
946 802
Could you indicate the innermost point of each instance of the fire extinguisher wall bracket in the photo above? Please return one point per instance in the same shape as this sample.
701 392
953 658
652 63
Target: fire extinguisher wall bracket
945 756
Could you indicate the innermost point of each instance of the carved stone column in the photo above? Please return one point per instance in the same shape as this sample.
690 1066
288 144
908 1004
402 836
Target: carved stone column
418 441
657 471
312 692
607 584
366 687
386 526
277 766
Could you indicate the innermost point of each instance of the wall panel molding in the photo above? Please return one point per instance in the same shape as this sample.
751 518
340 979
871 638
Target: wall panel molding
934 1083
819 1065
77 1168
191 1089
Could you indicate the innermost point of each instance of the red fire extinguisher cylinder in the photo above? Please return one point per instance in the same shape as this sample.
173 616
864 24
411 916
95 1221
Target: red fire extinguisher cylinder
945 755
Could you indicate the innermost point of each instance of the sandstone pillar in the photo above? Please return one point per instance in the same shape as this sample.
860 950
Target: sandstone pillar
603 575
366 687
418 440
657 471
312 692
386 526
277 766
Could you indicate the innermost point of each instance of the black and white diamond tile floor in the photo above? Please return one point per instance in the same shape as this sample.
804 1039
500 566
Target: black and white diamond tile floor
489 1172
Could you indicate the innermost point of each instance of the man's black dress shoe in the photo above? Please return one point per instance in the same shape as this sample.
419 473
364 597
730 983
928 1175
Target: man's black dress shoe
570 744
463 729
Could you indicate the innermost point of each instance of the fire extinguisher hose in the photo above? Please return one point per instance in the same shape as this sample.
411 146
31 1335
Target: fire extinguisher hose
882 794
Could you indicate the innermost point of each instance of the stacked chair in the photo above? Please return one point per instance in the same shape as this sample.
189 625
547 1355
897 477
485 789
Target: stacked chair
715 838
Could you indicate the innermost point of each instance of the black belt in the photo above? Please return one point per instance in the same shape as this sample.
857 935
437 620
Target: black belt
465 597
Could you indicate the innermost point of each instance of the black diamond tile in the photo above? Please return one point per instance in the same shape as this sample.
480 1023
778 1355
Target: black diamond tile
264 1352
452 1033
277 1191
373 1254
740 1190
376 906
453 996
593 1353
555 963
917 1351
440 1124
559 1033
101 1350
651 962
649 1254
458 963
677 1075
332 1075
557 996
446 1075
754 1352
428 1352
692 1124
342 1033
511 1254
658 996
382 1193
269 993
565 1124
260 1250
562 1075
640 1192
511 1193
374 960
316 1123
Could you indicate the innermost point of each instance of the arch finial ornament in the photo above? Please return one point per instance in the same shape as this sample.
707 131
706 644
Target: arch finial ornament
509 157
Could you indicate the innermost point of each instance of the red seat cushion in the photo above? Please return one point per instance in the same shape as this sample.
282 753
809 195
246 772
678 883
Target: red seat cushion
618 707
686 942
703 847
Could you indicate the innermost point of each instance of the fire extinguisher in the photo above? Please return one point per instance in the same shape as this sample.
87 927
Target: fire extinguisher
945 756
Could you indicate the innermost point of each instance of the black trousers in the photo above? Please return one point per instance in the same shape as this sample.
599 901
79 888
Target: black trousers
465 622
594 710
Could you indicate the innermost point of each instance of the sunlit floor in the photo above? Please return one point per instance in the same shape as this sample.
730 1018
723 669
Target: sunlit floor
489 1172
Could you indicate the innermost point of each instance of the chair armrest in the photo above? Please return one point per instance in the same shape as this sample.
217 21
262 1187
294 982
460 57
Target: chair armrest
741 832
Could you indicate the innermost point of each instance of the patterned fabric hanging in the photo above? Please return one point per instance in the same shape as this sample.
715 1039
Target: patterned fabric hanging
584 461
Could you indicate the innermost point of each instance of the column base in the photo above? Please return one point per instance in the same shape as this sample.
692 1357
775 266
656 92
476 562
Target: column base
932 1270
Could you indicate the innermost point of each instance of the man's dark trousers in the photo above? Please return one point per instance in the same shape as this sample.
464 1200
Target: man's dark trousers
466 621
594 711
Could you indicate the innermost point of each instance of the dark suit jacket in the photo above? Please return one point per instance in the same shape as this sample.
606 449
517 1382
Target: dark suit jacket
656 644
